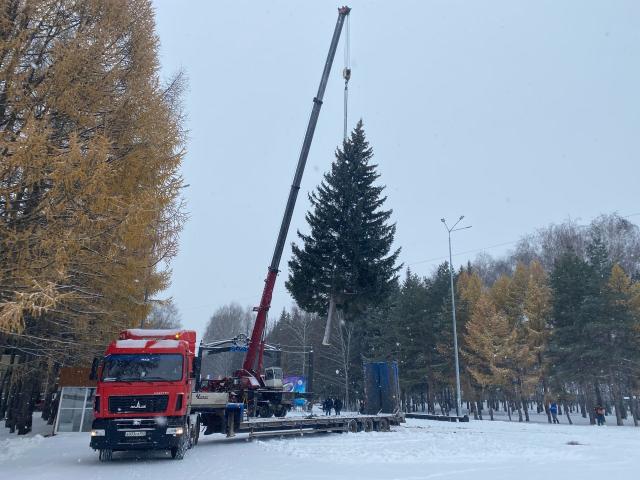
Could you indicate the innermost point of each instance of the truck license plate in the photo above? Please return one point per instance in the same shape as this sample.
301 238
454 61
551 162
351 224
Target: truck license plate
135 434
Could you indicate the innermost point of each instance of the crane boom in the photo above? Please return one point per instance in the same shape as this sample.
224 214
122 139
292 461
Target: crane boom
256 343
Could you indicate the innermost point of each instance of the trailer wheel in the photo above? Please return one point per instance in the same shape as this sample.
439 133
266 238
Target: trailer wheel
368 425
105 455
352 426
179 451
383 425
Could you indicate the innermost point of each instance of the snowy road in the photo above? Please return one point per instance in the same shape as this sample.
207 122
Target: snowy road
417 450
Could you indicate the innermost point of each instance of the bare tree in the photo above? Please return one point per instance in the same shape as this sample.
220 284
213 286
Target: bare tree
227 322
298 327
163 314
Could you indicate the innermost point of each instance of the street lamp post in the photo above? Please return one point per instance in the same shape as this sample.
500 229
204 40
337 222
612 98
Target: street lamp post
453 311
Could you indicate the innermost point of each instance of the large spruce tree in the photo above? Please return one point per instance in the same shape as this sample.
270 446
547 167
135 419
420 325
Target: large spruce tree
348 251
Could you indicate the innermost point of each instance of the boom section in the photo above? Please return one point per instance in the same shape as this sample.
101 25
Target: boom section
265 302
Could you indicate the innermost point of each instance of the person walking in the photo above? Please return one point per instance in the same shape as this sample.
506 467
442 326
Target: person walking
553 408
599 410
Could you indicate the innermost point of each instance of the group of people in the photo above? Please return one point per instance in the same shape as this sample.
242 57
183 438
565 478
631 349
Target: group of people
598 412
332 404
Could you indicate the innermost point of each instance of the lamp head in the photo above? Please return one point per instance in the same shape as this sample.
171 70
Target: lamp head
442 220
461 217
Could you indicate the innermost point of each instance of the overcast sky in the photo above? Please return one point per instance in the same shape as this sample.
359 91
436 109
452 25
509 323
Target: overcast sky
516 114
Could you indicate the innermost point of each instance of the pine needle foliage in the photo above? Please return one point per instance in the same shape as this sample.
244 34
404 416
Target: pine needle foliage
348 252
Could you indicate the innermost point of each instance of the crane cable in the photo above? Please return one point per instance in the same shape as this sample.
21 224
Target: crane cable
346 73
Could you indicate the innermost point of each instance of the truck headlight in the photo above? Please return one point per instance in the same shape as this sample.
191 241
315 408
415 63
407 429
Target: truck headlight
175 430
97 433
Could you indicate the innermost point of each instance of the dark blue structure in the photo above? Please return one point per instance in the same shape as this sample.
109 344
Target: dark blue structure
381 387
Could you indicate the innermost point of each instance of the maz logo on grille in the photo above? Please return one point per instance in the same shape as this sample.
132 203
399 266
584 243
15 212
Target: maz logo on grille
138 403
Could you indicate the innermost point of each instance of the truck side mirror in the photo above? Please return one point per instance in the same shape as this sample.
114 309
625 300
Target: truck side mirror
94 369
195 372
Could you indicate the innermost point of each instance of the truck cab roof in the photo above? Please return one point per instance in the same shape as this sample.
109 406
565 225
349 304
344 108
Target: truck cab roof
154 341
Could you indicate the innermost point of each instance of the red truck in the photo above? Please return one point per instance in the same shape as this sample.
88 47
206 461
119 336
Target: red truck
147 399
143 397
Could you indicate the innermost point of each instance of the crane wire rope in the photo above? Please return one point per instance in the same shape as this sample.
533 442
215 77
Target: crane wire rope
346 72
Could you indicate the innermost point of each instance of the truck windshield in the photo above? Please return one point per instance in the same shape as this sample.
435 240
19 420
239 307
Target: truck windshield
142 368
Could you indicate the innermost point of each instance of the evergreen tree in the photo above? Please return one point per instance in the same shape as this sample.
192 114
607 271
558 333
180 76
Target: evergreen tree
439 320
412 341
570 344
348 253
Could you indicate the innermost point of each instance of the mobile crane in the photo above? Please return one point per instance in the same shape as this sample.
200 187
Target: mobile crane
150 393
248 384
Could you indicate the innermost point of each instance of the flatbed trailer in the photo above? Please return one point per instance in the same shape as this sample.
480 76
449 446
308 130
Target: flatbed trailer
441 418
262 427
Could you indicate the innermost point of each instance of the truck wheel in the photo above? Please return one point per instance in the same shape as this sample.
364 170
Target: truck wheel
265 411
105 455
190 434
196 433
179 451
281 411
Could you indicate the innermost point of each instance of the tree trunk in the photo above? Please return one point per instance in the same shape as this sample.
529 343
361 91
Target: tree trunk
5 386
526 410
479 408
519 408
617 402
52 372
589 406
566 411
25 407
596 388
547 411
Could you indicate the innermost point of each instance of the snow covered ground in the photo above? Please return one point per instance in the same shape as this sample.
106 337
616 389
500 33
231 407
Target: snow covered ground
419 449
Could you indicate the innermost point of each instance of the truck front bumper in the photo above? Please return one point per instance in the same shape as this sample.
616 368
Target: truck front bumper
156 433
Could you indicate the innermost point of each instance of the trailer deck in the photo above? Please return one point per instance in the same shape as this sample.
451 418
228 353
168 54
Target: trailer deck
261 427
441 418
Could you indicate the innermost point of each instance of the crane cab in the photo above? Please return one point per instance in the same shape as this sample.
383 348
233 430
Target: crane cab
273 377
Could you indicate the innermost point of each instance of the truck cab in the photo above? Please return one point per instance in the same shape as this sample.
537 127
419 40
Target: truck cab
273 377
143 396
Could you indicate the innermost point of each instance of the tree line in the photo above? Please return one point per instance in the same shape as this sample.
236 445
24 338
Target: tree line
91 141
556 320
